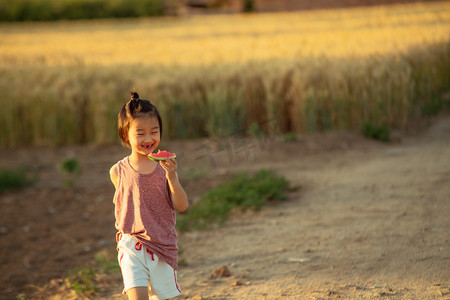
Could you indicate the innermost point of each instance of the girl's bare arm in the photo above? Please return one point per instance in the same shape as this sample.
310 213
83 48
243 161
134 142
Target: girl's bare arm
179 196
113 174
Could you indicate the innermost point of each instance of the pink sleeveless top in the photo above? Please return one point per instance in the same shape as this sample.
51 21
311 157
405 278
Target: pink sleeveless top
144 209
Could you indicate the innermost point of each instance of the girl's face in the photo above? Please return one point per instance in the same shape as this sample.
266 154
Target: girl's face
144 134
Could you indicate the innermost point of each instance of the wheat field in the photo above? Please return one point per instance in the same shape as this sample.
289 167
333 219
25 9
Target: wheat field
63 82
205 40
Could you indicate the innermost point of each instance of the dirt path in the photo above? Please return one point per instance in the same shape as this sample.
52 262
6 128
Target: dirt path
367 224
370 221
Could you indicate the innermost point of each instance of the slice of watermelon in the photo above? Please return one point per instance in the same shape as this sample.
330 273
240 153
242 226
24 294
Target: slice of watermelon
161 155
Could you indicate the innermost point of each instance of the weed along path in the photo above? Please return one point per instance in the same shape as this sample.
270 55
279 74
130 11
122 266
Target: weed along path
369 221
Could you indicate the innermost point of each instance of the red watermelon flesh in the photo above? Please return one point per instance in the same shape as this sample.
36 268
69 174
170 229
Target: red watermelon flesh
161 155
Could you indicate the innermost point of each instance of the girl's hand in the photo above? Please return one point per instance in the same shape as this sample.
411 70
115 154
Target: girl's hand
171 166
179 196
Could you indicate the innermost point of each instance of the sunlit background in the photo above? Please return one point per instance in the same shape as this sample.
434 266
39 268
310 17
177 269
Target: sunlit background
306 89
313 70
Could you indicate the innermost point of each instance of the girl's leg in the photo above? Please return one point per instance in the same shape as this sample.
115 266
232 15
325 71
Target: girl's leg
138 293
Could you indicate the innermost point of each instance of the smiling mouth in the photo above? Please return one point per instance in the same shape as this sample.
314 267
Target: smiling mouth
147 146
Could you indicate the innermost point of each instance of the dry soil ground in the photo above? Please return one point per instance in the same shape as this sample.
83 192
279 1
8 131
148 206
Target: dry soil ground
370 220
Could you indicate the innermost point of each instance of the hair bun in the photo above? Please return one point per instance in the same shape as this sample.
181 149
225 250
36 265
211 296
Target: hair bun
134 95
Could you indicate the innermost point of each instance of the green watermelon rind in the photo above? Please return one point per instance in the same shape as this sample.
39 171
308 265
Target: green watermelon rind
158 159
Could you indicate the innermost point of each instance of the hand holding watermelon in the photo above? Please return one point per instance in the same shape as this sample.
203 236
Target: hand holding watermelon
168 162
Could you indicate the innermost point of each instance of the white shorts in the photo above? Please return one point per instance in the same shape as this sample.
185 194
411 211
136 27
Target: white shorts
140 267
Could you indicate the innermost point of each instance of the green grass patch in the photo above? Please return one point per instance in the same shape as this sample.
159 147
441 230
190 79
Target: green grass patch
241 191
14 179
377 132
106 263
290 137
435 105
51 10
70 170
84 280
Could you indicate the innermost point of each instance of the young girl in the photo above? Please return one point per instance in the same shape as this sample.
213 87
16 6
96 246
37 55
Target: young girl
147 194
